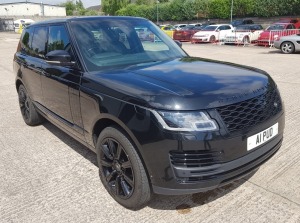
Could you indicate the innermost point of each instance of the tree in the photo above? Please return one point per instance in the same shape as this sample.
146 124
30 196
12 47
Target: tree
110 7
70 7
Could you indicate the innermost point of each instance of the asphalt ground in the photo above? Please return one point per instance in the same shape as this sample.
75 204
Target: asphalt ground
46 176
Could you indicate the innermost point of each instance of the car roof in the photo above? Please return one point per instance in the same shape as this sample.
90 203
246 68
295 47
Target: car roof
282 23
246 25
84 18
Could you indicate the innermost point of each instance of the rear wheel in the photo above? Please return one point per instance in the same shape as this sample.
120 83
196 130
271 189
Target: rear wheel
121 170
246 40
287 47
28 111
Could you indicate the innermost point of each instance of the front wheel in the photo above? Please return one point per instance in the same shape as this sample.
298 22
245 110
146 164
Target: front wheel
287 47
29 113
121 170
212 39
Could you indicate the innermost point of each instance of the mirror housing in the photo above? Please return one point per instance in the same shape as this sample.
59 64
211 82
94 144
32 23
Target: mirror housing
59 57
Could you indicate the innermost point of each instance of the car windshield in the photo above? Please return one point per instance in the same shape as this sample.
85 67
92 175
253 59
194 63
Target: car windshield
210 28
276 27
115 42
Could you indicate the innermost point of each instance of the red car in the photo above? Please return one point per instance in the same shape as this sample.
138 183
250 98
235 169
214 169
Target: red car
296 22
274 31
185 33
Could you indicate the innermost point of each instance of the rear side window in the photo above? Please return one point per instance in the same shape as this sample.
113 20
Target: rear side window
39 42
58 38
26 40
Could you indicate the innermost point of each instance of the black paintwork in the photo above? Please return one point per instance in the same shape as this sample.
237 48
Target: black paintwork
82 103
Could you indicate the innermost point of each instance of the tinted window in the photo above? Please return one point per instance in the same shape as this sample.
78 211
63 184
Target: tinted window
290 26
58 39
26 40
39 41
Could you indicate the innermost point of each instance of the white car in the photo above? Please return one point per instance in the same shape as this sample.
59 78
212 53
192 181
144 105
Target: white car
244 34
179 26
212 33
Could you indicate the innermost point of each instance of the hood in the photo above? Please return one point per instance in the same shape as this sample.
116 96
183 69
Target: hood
182 84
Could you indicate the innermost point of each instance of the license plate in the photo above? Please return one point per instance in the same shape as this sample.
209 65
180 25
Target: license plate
262 137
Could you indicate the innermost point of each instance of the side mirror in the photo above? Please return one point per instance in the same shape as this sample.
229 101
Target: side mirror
59 57
218 30
178 43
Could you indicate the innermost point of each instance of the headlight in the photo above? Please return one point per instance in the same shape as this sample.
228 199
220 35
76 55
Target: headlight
185 121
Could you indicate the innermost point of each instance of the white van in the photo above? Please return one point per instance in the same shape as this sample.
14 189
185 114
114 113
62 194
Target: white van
23 22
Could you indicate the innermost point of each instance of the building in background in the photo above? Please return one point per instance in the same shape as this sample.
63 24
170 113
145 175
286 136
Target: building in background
30 9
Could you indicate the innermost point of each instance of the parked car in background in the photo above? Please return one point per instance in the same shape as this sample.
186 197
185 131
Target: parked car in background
240 22
267 37
195 24
22 22
185 33
244 34
180 26
288 44
142 33
168 29
205 25
212 33
296 22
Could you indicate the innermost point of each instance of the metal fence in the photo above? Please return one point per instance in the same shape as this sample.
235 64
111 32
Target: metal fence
6 25
268 40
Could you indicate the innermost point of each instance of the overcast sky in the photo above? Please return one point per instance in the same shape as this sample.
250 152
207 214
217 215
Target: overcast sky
86 3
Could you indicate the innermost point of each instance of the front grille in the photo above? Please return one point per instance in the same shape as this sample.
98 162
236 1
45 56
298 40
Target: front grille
245 114
195 158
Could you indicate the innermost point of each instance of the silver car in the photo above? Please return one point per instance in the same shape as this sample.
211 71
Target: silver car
288 44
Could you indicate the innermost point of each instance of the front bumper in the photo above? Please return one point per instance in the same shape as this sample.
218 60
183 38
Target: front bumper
221 174
223 158
277 44
200 39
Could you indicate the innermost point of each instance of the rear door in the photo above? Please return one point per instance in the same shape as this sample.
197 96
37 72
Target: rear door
30 59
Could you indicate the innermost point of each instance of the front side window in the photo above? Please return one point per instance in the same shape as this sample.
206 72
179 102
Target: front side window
58 38
121 42
39 42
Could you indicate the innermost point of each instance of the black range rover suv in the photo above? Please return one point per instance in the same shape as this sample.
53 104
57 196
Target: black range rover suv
159 120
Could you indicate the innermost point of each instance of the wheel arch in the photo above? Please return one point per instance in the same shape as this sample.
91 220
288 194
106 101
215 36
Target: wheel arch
107 121
18 83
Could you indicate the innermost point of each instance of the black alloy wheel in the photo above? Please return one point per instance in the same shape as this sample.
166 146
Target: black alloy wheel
117 168
121 170
28 111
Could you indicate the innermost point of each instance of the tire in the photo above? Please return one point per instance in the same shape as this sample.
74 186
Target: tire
212 39
121 170
29 113
246 40
287 47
